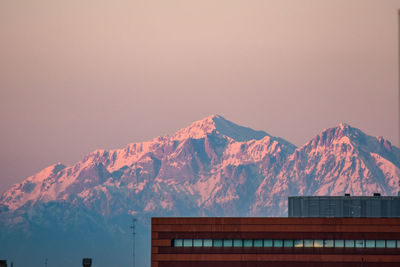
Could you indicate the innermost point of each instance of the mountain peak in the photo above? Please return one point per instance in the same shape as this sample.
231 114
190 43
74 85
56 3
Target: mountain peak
343 129
343 125
218 124
345 133
340 133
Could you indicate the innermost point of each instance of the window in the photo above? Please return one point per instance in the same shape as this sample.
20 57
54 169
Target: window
391 243
360 243
268 243
237 243
328 243
308 243
197 242
298 243
369 243
258 243
278 243
228 243
318 243
187 242
288 243
178 243
218 243
207 243
339 243
248 243
380 243
349 243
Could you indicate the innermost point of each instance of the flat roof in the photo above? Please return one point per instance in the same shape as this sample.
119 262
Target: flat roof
347 197
270 220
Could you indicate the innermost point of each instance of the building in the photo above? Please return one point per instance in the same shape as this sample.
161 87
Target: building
320 231
375 206
295 242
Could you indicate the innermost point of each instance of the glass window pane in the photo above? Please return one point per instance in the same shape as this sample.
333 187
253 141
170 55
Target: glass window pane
207 243
178 242
398 243
360 243
278 243
390 243
197 242
228 243
258 243
318 243
380 243
248 243
349 243
298 243
308 243
218 243
339 243
268 243
328 243
369 243
288 243
237 243
187 242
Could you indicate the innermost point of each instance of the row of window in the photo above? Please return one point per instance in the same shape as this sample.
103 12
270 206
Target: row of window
286 243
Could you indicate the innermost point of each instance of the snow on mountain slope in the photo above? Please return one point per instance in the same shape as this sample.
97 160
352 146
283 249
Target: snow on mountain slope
215 167
30 190
339 160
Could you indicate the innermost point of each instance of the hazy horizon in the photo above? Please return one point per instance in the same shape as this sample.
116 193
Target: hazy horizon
76 76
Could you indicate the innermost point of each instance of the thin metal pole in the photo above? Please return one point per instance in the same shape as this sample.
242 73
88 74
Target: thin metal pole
45 262
133 227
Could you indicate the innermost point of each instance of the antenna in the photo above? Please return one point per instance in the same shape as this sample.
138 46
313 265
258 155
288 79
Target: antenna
133 227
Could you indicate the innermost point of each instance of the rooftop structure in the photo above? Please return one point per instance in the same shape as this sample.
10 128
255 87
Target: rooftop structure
375 206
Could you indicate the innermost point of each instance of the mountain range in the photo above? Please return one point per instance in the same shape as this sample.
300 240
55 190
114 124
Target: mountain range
214 167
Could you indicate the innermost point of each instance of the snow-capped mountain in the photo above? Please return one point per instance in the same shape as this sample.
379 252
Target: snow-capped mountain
214 167
211 165
339 160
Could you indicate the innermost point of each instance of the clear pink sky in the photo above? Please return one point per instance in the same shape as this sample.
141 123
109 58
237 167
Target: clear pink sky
79 75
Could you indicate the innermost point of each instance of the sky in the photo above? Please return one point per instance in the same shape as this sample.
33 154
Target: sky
76 76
